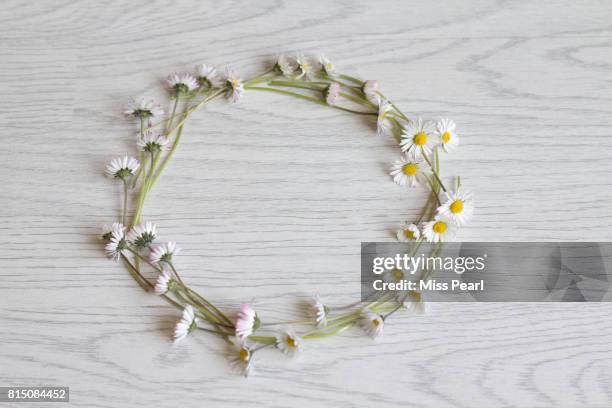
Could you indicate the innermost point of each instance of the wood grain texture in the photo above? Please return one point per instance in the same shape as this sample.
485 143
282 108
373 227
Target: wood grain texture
270 198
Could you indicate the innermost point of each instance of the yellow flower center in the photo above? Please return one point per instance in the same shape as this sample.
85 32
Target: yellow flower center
420 139
440 227
408 233
290 341
244 354
446 137
375 322
456 207
305 67
399 275
416 296
410 169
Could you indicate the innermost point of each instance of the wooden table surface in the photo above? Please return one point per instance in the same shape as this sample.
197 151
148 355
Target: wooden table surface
270 198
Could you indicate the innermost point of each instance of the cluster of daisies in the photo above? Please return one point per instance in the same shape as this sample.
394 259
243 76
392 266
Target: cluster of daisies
419 141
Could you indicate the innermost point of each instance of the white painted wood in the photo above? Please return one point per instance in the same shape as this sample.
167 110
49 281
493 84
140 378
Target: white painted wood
270 198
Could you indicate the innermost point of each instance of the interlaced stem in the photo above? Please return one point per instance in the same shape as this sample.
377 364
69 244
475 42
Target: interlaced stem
180 294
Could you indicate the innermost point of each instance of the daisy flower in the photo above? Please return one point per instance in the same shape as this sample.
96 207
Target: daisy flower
408 232
122 167
241 360
305 68
327 66
288 342
415 302
143 108
208 77
236 86
459 207
246 322
163 252
445 130
394 276
152 141
285 66
409 170
372 323
164 283
384 126
320 312
186 325
182 83
331 93
441 229
142 235
370 90
107 231
117 244
416 137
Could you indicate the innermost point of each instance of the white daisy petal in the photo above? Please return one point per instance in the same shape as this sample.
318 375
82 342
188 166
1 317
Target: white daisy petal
208 76
288 342
384 126
122 167
331 93
241 359
246 322
370 90
164 282
142 235
320 312
235 86
409 170
186 325
152 141
163 252
416 137
372 323
408 233
306 69
459 207
440 229
117 245
327 66
182 82
143 108
445 131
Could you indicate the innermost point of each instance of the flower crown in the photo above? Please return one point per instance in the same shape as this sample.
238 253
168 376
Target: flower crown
312 80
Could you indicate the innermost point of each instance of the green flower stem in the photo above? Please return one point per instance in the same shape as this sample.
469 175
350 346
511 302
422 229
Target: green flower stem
261 78
125 201
142 157
263 339
318 335
170 119
435 173
213 307
317 86
145 260
308 98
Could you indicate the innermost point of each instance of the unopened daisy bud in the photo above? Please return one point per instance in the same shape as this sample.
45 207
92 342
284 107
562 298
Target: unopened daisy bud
164 283
235 86
152 141
182 83
186 325
440 229
247 322
370 90
285 66
305 68
208 77
163 252
143 108
288 342
408 233
372 323
327 66
117 244
459 207
384 126
416 137
122 167
142 235
241 359
409 170
448 139
331 93
320 312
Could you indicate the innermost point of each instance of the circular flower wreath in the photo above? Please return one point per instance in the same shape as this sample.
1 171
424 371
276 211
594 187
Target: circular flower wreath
312 81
